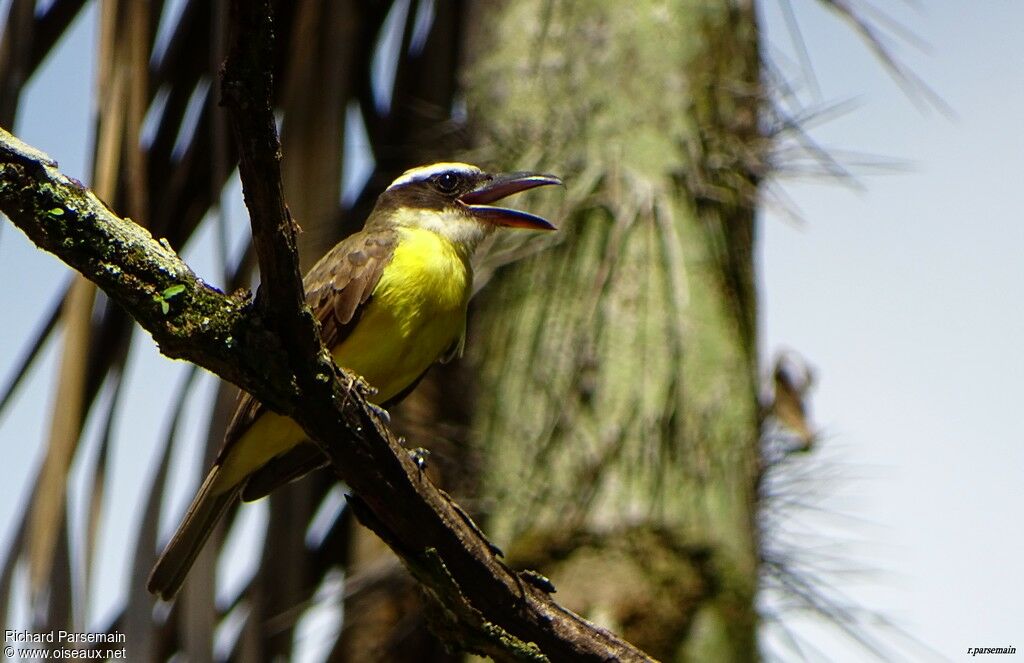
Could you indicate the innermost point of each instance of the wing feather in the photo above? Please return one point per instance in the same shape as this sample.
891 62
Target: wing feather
337 287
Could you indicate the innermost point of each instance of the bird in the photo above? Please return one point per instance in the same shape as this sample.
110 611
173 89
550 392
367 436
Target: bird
391 300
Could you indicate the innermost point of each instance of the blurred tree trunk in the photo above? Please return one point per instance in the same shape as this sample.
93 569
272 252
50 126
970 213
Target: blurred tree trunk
617 418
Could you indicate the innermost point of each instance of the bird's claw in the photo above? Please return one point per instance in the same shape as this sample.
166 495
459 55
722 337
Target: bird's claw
419 456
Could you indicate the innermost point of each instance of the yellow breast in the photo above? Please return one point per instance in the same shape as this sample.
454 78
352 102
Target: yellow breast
416 314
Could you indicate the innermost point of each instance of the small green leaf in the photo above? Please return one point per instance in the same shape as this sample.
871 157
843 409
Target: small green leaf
167 294
56 211
173 291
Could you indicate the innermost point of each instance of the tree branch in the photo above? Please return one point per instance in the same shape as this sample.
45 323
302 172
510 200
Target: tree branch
266 349
247 93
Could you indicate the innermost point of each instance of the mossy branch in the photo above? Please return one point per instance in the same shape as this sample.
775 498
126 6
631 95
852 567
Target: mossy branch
187 318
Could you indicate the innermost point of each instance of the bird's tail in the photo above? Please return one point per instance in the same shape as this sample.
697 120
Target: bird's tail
207 508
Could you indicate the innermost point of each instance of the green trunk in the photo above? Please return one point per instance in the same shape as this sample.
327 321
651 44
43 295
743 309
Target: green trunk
618 416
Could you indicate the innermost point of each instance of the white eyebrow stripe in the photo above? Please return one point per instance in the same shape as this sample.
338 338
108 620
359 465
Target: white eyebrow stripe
426 172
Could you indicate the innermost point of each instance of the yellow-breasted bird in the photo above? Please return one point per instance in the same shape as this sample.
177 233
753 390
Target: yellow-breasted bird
391 301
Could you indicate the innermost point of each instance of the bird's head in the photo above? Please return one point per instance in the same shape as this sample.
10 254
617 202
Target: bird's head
454 200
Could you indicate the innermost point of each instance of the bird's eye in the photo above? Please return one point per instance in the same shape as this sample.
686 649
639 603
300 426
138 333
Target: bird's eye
447 182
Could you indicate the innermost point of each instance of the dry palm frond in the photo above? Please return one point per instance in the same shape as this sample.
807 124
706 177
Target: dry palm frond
39 339
808 548
877 29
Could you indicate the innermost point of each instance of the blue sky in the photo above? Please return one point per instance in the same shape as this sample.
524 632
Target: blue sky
901 292
904 296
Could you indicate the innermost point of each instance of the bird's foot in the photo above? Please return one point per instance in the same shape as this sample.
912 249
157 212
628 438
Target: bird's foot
359 384
420 456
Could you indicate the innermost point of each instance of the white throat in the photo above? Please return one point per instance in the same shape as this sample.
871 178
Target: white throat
459 228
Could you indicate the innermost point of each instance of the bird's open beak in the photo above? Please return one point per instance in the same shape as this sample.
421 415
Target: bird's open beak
502 186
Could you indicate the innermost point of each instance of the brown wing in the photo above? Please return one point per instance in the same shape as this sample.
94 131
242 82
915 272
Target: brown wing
336 288
344 279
